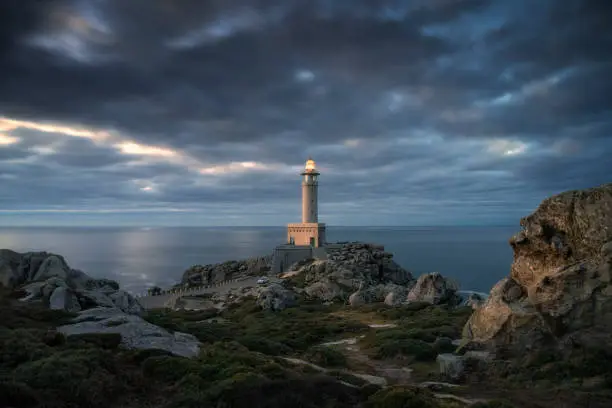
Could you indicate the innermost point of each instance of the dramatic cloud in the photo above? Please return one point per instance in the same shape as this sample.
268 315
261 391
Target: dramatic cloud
417 111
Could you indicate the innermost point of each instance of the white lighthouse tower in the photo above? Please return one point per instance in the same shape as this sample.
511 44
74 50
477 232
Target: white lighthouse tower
310 232
306 239
310 192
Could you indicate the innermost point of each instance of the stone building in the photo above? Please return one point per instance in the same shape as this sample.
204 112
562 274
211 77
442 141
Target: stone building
307 238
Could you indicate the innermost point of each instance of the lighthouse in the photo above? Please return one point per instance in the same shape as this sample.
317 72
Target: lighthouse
310 232
305 240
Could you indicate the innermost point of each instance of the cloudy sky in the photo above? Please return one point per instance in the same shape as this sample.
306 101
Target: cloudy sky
194 112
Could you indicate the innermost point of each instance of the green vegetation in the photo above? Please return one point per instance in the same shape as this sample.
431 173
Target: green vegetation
422 332
326 357
39 367
240 362
582 368
493 404
291 331
407 397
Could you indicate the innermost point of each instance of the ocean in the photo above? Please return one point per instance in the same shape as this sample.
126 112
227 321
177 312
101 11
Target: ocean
476 257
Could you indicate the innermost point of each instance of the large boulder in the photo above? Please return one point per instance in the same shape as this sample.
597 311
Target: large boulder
559 288
391 294
63 298
275 297
433 288
136 333
47 278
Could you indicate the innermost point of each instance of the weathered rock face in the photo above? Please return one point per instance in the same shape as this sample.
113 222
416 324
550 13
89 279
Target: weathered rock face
347 268
47 277
372 262
435 289
135 332
275 297
208 274
559 288
391 294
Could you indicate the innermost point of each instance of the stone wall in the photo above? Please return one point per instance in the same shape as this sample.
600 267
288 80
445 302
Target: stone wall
286 255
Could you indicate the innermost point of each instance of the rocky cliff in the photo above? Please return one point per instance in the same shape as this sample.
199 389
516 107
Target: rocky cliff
558 292
212 273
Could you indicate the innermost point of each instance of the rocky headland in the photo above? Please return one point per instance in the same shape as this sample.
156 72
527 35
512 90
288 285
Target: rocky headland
99 305
354 273
353 330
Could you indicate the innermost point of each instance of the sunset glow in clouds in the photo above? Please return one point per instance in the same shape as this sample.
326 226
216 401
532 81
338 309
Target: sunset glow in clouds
420 112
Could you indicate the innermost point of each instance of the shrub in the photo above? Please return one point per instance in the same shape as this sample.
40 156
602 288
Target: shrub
418 349
263 345
312 392
493 404
83 377
402 397
168 368
108 341
326 356
21 346
17 394
138 356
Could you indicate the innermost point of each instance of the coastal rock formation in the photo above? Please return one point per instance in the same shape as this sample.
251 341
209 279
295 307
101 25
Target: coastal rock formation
101 306
391 294
435 289
275 298
347 268
373 263
212 273
559 290
136 333
47 278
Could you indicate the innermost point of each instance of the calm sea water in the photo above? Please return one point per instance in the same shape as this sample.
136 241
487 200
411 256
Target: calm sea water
476 257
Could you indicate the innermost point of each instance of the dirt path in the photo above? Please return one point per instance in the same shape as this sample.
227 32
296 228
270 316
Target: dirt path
384 373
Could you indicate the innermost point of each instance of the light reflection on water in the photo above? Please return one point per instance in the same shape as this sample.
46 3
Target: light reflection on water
139 257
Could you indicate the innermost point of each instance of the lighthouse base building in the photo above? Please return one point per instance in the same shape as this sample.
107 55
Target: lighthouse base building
305 240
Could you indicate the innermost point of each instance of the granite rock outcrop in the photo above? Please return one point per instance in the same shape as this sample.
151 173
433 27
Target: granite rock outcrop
361 267
136 333
435 289
47 278
361 273
100 305
559 291
275 297
198 275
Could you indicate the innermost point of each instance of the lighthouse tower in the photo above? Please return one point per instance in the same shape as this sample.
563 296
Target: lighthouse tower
309 232
305 240
310 186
